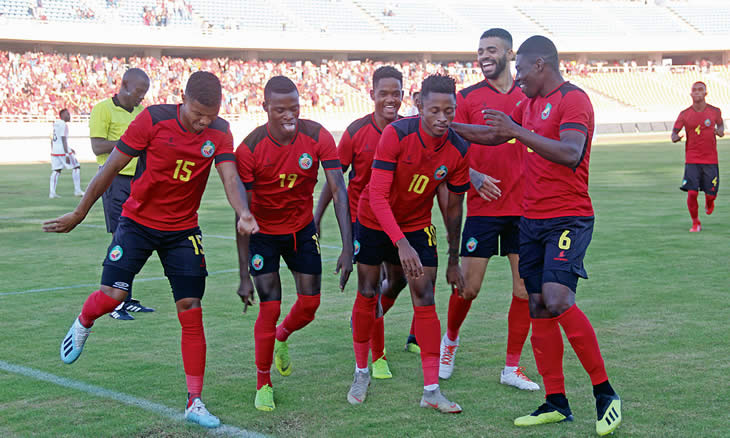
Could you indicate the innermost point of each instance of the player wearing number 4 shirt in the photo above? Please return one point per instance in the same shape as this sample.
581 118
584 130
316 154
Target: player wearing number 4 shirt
413 157
279 163
556 123
701 123
176 146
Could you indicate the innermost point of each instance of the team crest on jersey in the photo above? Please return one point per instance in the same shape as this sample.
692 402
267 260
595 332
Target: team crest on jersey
546 112
208 149
441 173
708 122
257 262
305 161
116 253
356 244
471 244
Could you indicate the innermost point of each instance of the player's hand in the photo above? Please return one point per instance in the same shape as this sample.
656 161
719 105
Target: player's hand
245 292
344 268
318 226
63 224
409 260
501 122
247 224
68 159
676 137
454 277
485 185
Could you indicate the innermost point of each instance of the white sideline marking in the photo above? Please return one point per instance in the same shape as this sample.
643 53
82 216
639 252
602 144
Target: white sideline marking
127 399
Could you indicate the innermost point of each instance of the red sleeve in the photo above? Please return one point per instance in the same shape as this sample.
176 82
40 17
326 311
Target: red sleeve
245 164
680 122
381 180
462 111
519 111
224 152
345 151
458 181
137 136
575 109
327 151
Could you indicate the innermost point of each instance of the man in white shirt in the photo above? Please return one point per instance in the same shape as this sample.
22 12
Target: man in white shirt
63 157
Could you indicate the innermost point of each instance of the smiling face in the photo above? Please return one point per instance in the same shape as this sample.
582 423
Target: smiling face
528 76
387 95
493 55
195 116
283 112
437 112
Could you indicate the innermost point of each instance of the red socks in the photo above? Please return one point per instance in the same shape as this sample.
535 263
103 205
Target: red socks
709 203
547 346
363 319
377 341
692 206
386 303
428 333
413 326
583 340
192 344
458 309
96 305
264 334
518 326
301 314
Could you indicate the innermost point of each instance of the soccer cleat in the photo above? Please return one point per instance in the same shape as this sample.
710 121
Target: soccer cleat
696 228
265 399
381 370
412 345
547 413
53 196
434 399
136 306
78 193
196 413
518 379
359 388
281 357
608 408
446 362
73 343
121 314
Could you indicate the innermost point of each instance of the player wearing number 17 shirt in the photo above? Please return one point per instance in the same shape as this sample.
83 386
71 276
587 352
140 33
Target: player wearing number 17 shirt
176 146
413 158
279 163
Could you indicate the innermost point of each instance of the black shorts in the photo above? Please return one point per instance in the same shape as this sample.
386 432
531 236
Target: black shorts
181 253
113 199
485 236
704 177
300 251
373 247
556 244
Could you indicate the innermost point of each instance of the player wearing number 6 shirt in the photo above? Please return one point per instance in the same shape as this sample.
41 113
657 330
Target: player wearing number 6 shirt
176 146
279 163
556 123
413 158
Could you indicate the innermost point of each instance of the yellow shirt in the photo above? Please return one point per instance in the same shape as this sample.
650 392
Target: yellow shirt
109 120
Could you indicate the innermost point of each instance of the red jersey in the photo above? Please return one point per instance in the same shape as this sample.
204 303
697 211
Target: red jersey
410 165
700 147
281 178
173 166
503 162
551 189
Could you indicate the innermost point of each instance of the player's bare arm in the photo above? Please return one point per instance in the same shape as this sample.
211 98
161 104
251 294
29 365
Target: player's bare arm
236 194
454 213
98 185
325 197
720 128
245 287
336 184
676 137
64 141
481 134
485 185
101 145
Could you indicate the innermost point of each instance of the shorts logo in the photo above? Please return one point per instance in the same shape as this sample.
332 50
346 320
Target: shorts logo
546 112
116 253
441 173
208 149
356 244
305 161
684 182
471 244
707 122
257 262
121 285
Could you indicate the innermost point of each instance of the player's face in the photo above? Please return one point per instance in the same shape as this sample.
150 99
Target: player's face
698 93
493 56
283 112
66 116
527 76
196 116
135 89
437 112
388 96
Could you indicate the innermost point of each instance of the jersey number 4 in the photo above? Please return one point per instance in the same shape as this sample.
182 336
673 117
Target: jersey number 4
182 170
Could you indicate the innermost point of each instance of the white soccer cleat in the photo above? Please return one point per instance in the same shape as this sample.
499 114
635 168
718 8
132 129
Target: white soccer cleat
446 360
435 400
53 196
79 193
73 343
197 413
518 379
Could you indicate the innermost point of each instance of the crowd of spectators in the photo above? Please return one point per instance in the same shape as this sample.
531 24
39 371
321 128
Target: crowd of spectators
163 11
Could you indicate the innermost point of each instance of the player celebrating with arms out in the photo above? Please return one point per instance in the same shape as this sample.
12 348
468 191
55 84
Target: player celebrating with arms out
556 123
701 122
414 156
177 145
279 163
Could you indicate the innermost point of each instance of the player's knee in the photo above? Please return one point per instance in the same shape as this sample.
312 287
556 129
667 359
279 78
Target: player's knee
559 291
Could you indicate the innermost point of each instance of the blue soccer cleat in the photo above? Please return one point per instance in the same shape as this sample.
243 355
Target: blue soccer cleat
196 413
73 343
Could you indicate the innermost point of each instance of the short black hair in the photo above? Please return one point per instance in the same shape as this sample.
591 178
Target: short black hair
135 73
279 85
60 113
387 71
205 88
538 46
438 83
498 33
700 83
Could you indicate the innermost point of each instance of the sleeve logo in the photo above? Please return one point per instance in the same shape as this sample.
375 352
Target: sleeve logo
441 173
208 149
546 112
708 122
116 253
305 161
257 262
471 244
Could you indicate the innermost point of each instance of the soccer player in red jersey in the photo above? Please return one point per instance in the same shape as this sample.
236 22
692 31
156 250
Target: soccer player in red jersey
556 123
279 163
701 122
492 226
413 157
176 145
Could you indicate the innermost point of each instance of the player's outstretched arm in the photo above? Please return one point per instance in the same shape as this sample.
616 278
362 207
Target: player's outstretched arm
98 185
101 145
237 198
454 213
336 184
485 185
675 135
325 197
489 135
